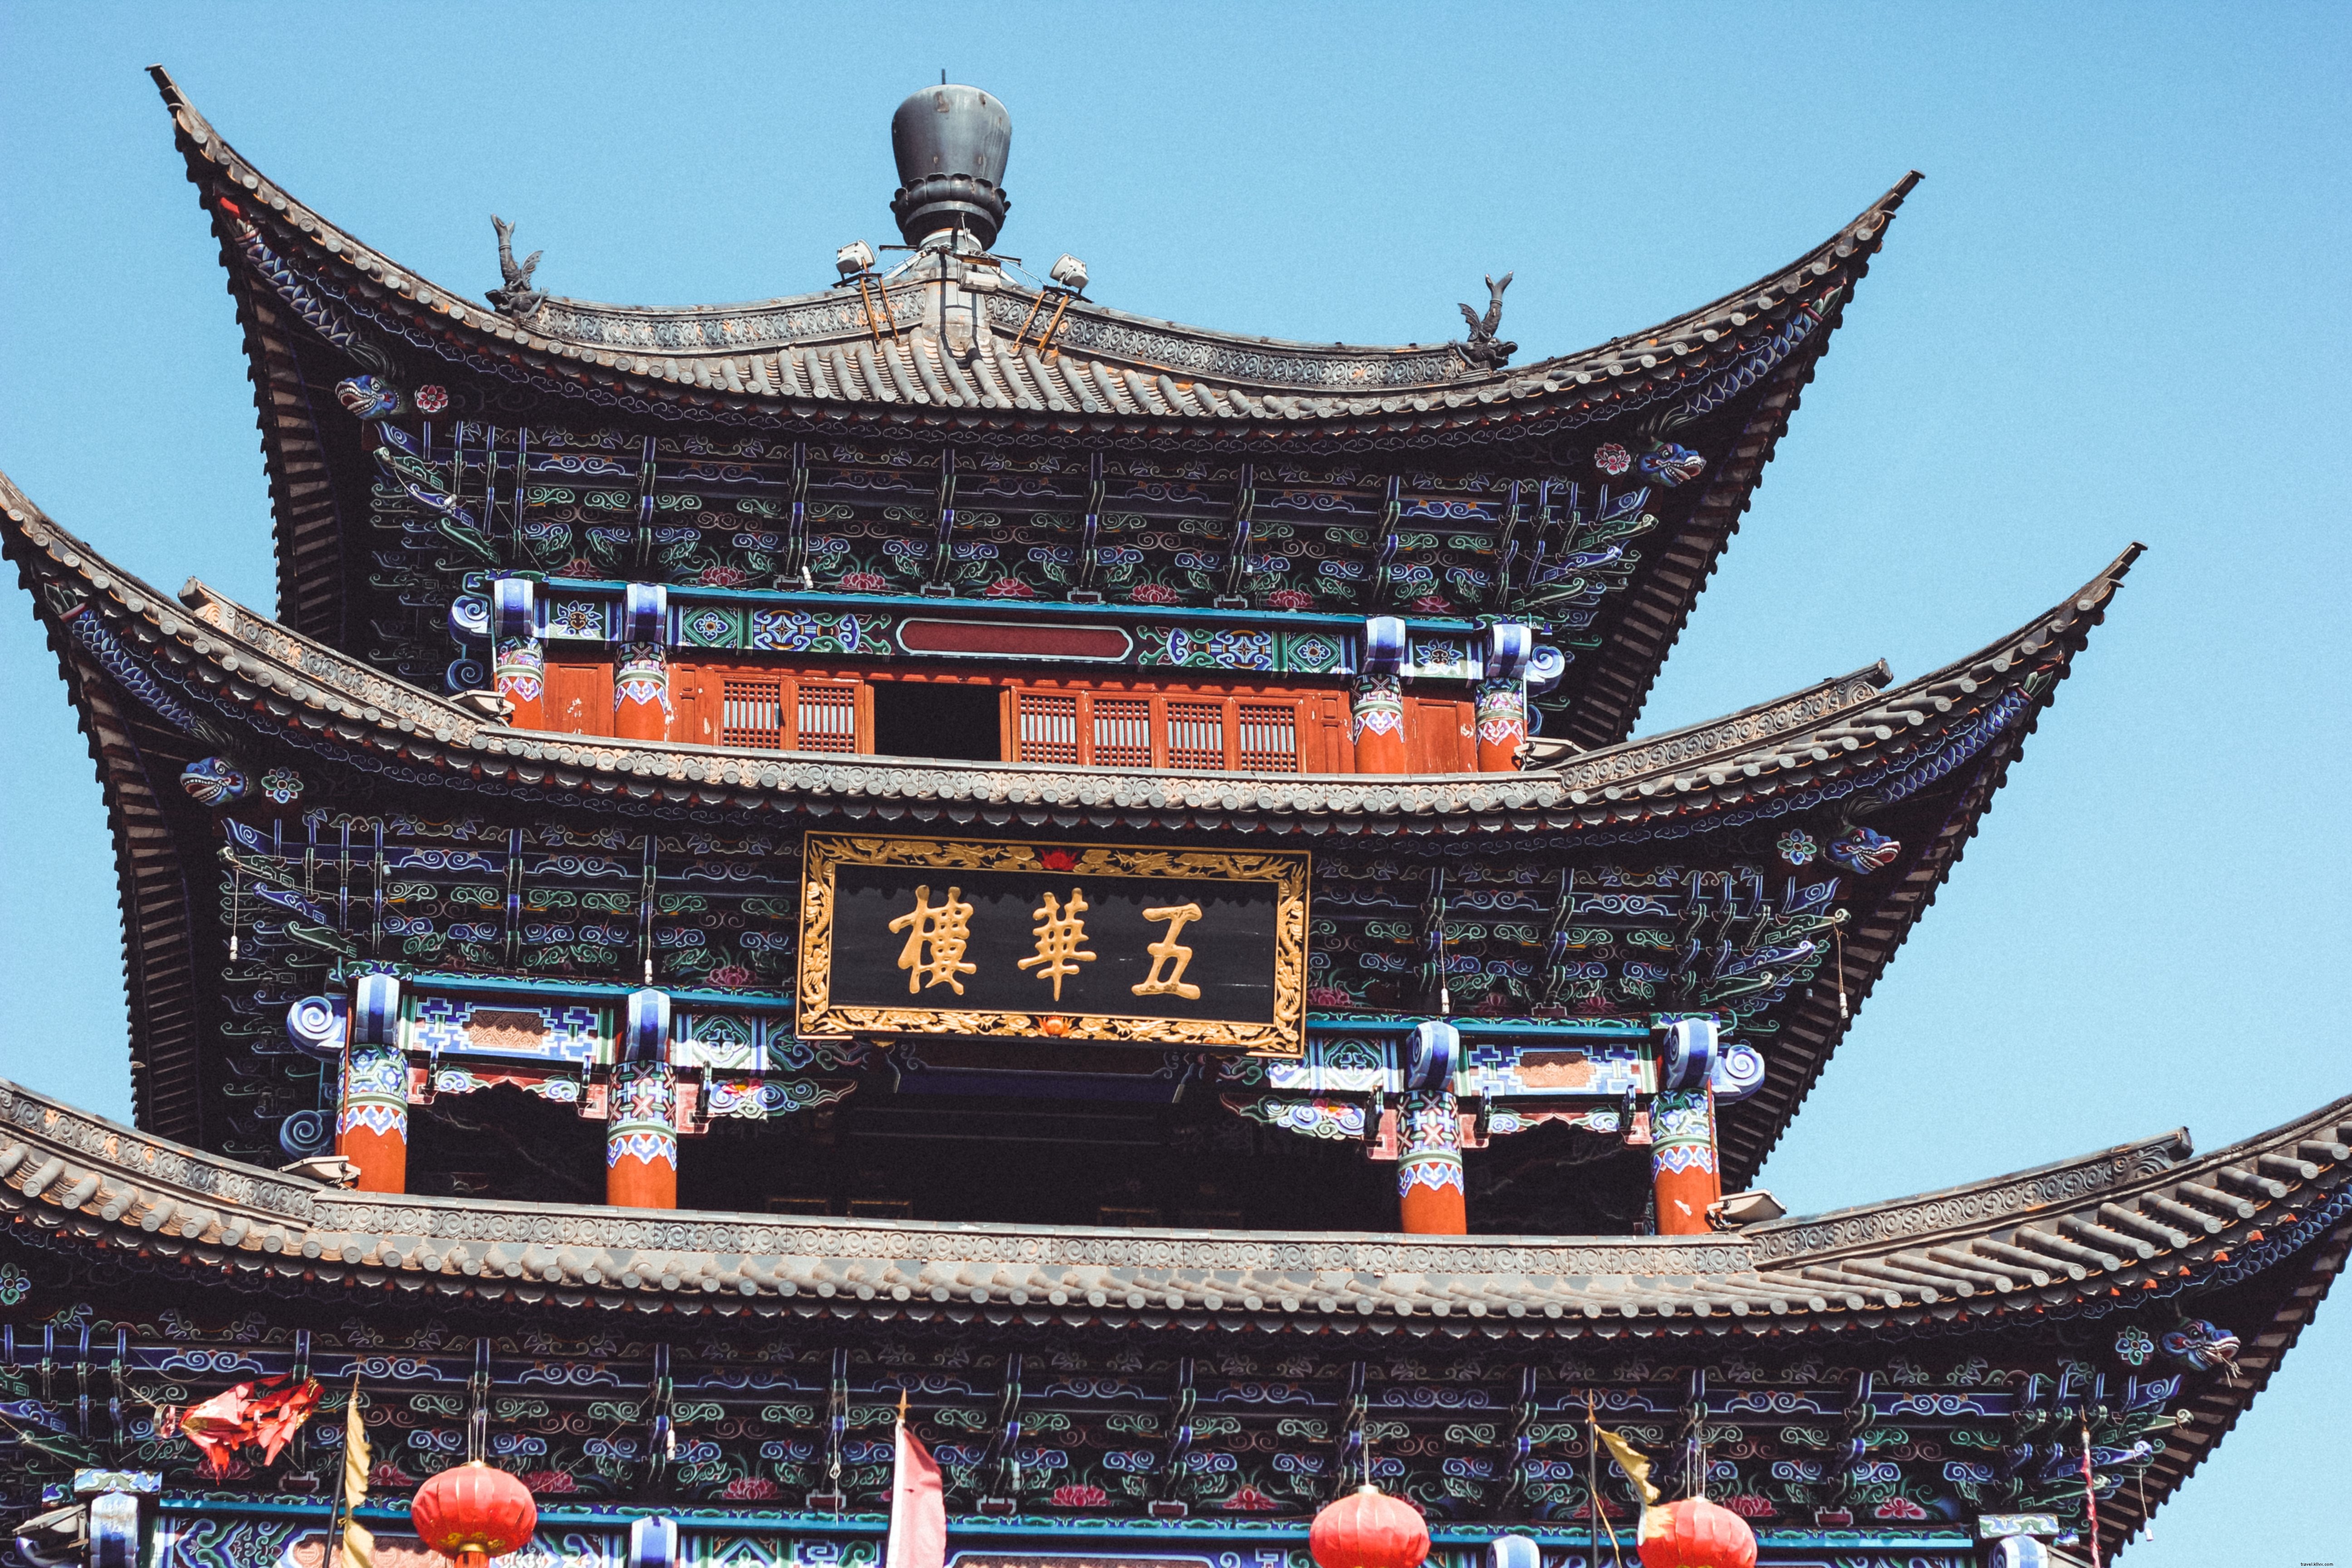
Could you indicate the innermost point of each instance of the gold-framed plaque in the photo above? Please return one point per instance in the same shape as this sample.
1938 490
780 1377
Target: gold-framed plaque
1188 948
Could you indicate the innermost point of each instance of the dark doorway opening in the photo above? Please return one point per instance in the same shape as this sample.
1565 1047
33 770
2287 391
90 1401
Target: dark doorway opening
917 719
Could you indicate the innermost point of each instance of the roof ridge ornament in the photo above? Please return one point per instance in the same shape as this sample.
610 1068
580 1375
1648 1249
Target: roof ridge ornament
951 143
1484 350
517 299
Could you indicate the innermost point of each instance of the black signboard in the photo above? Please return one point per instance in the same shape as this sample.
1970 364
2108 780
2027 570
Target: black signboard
1169 947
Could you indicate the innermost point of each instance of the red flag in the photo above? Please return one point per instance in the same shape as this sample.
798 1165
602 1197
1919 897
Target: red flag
918 1513
264 1414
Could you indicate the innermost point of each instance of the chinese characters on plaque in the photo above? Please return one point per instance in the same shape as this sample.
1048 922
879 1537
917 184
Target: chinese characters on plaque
1193 948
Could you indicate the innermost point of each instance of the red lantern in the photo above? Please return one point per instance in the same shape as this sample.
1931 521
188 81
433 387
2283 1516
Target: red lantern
1368 1529
474 1512
1692 1532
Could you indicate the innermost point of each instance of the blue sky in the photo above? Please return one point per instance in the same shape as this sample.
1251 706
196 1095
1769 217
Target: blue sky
2116 310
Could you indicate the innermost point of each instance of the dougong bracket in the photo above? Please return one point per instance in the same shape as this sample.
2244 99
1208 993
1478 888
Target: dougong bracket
1348 1470
1180 1442
937 583
1507 549
1001 1464
1384 558
1237 561
796 568
1084 591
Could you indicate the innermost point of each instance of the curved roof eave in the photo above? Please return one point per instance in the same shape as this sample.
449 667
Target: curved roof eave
1303 381
2082 1238
1753 753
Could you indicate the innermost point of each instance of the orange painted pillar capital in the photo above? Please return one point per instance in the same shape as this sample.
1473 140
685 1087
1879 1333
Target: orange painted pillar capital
1376 723
518 656
372 1110
640 1125
1683 1159
1502 724
641 703
371 1122
641 1137
1429 1166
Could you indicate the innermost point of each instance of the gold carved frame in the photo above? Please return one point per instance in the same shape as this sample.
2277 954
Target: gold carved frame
1286 1036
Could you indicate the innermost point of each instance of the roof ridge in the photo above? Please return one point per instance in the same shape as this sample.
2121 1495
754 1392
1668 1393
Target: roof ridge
1457 382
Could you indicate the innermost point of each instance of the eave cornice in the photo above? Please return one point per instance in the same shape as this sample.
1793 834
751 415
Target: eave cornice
2088 1229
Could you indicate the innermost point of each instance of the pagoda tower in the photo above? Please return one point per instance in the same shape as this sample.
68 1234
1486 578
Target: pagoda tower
934 841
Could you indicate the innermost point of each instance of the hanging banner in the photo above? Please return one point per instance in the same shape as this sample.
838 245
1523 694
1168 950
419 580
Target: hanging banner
1189 949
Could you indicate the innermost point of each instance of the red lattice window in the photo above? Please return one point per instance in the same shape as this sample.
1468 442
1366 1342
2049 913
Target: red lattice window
1049 728
752 713
1196 735
1267 737
828 717
1122 732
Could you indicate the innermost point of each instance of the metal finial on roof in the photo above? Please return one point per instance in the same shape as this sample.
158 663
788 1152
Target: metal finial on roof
950 143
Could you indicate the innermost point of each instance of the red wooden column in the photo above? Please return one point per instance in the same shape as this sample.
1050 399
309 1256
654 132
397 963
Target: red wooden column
1429 1166
1682 1160
641 704
1430 1195
1501 725
641 1112
1376 700
1376 723
371 1119
518 654
1503 695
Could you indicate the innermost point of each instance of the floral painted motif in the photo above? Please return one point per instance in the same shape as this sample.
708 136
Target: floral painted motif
1798 846
2134 1346
1154 593
751 1488
576 618
1864 851
1613 459
863 583
1080 1496
283 785
708 626
432 399
213 780
14 1283
1290 599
